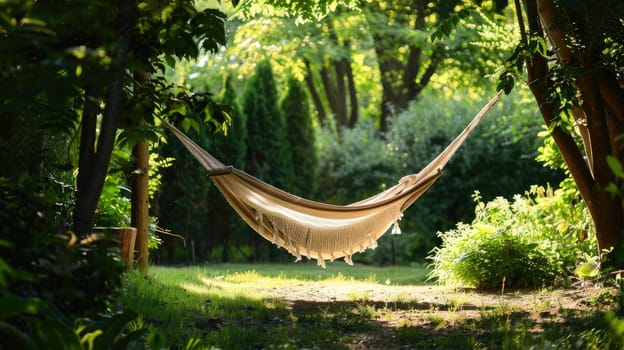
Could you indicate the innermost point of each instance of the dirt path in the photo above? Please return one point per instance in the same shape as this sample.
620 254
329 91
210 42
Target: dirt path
436 310
434 296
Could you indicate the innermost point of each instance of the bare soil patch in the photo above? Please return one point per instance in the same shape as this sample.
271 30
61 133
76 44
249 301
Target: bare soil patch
436 311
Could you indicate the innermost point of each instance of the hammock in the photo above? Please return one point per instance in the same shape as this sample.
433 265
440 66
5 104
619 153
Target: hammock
318 230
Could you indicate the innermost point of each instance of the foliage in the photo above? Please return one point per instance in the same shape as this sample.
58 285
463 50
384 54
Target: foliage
303 11
573 63
616 166
363 163
268 153
515 244
300 134
497 159
269 156
49 278
231 146
226 228
354 163
86 63
380 48
180 203
77 277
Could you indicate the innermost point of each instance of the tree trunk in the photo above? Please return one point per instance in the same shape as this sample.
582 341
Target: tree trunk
127 240
599 115
316 98
399 79
94 160
140 201
338 85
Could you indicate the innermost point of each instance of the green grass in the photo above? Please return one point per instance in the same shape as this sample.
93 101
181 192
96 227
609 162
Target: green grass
219 305
226 306
398 275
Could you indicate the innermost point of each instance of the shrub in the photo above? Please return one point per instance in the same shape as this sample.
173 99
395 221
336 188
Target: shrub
56 292
491 259
77 277
533 241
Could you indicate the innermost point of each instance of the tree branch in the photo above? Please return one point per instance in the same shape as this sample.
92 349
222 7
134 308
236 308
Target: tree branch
316 98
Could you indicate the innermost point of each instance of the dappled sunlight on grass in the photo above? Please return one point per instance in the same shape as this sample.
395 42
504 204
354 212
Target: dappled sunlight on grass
245 306
336 271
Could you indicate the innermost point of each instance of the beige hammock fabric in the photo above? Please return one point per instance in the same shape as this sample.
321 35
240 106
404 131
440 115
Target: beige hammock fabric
317 230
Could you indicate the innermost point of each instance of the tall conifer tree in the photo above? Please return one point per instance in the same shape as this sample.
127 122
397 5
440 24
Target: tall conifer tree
268 151
300 133
180 203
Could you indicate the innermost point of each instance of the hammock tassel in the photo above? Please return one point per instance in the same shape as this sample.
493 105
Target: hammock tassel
320 261
396 230
297 252
348 260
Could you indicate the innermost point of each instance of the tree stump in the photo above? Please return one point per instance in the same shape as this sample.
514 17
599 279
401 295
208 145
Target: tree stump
127 240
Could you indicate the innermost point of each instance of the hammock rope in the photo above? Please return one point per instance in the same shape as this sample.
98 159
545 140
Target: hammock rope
317 230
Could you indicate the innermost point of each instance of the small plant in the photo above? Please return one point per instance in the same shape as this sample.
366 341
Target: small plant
533 241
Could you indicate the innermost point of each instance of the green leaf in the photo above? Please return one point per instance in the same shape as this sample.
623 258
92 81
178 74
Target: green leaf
506 83
88 340
11 305
189 123
170 60
114 329
588 270
53 334
445 27
612 189
615 166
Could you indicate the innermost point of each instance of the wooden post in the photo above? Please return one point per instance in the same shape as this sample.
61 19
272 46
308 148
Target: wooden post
127 240
140 201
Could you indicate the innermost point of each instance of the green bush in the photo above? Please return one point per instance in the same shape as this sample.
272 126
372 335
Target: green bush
78 276
491 259
535 240
56 290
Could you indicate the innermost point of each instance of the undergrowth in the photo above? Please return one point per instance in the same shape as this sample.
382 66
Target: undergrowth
533 241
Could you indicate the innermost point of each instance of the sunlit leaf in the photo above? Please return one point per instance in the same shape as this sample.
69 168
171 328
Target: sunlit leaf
615 166
588 270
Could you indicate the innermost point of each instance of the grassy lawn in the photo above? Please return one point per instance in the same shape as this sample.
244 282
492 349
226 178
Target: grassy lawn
309 271
295 306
